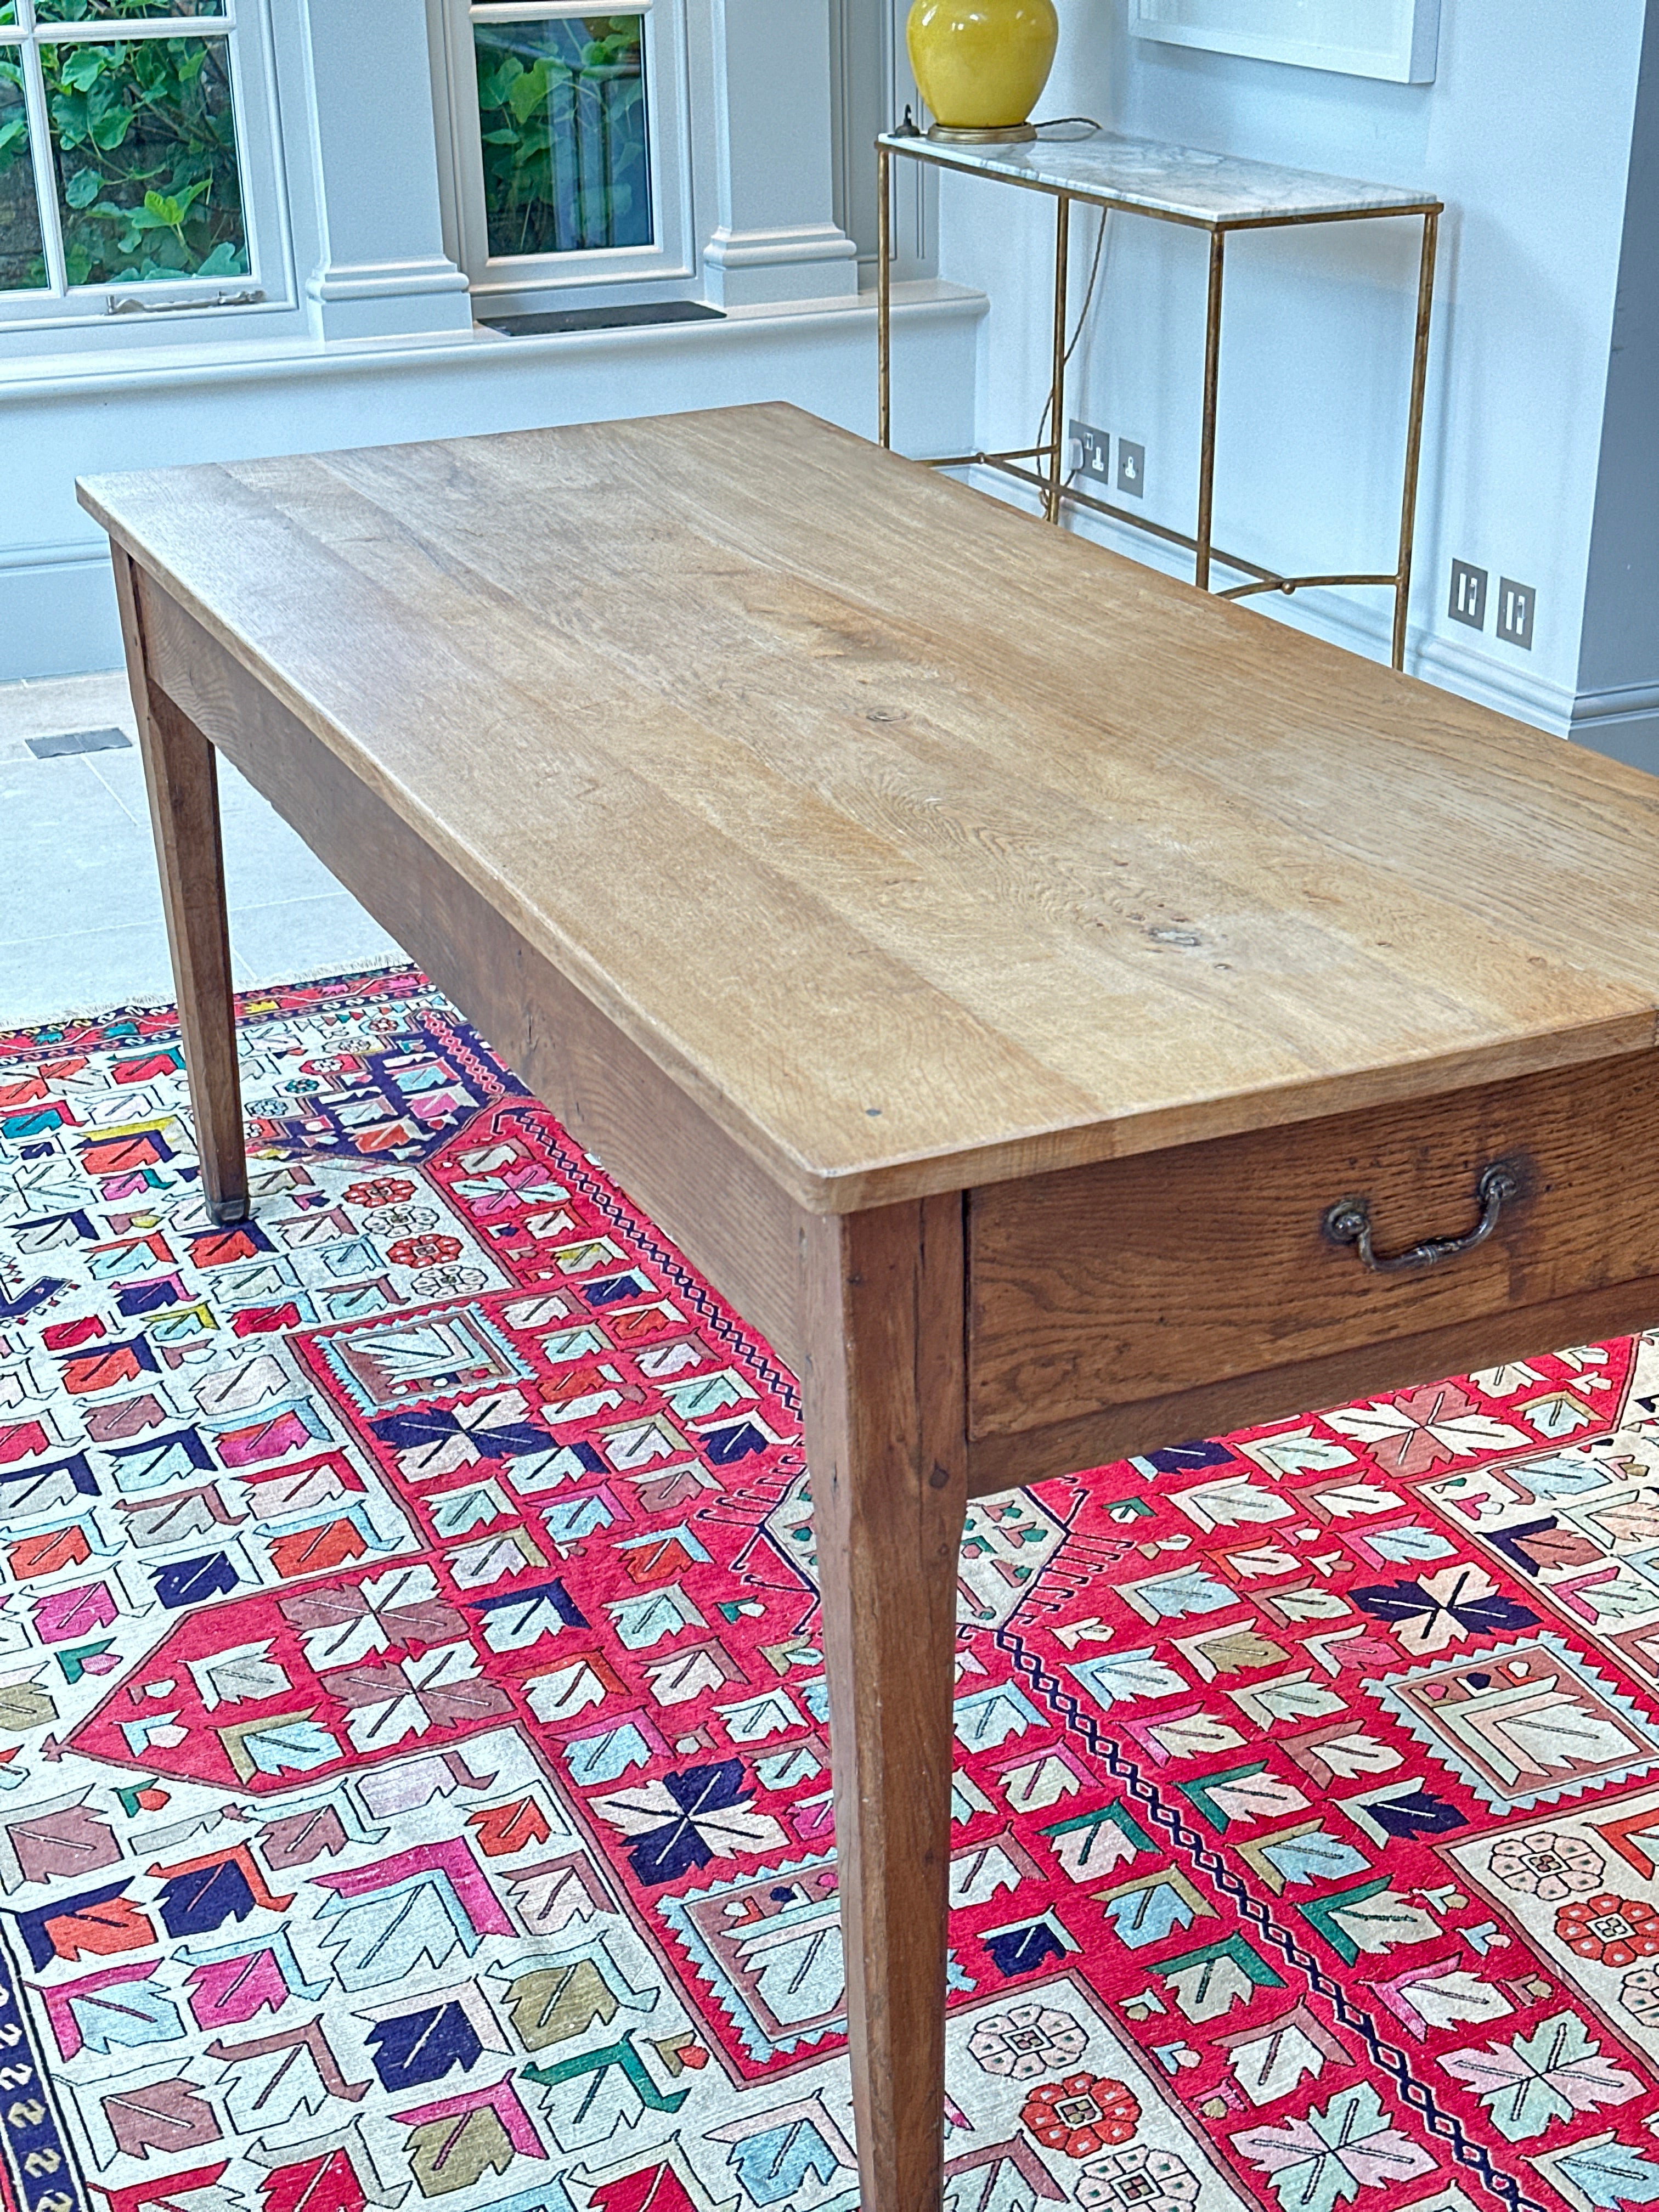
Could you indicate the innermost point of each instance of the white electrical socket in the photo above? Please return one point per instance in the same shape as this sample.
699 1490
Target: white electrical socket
1089 452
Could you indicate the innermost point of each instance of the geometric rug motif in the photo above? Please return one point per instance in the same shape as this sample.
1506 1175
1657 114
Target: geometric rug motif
414 1757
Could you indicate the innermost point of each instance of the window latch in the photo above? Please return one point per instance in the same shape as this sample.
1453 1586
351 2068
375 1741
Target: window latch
125 304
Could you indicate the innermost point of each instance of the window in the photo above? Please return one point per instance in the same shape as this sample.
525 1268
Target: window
872 85
566 160
124 157
566 144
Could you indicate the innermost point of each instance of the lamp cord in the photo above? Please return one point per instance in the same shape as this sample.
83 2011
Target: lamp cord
1087 126
911 129
1082 318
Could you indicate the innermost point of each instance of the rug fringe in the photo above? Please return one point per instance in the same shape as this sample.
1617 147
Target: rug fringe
155 1002
332 973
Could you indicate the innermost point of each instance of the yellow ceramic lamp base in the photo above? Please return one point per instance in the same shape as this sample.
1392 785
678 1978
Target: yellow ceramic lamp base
980 64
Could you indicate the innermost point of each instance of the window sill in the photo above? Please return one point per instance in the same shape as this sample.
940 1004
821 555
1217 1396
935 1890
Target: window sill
83 374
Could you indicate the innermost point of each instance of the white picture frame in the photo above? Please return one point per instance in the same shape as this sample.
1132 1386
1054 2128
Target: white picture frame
1397 40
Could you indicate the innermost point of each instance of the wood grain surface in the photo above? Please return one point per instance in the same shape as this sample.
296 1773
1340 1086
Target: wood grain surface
1136 1280
181 775
886 1442
730 1218
920 845
1001 1462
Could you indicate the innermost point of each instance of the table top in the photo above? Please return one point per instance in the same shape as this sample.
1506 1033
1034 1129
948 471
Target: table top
1180 183
921 843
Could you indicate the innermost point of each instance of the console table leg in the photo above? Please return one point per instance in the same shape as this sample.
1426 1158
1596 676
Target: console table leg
1212 385
885 296
885 1438
1403 588
184 807
1051 504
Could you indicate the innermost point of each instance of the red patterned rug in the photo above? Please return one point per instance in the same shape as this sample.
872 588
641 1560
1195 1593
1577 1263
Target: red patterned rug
414 1771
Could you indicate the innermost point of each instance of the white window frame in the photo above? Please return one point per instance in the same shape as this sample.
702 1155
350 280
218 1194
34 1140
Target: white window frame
872 85
524 284
176 306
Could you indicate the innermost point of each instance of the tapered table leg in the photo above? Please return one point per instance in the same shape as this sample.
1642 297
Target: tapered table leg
184 809
885 1438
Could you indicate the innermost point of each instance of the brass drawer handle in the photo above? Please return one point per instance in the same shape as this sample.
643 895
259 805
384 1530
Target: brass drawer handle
1349 1222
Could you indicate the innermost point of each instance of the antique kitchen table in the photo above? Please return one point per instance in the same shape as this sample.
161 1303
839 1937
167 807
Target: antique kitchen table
1066 1013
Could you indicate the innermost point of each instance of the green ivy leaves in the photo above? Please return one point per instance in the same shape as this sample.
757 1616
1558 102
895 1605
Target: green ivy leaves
528 90
20 263
563 120
152 190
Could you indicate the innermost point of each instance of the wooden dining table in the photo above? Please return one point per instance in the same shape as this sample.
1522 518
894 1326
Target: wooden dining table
1067 1014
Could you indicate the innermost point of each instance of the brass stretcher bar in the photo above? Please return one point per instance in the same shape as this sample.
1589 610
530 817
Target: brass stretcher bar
1204 191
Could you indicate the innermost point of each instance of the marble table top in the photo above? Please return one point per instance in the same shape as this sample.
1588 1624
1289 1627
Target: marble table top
1178 182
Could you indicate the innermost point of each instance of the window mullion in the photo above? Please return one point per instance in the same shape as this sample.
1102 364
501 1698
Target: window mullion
46 169
545 11
118 30
472 221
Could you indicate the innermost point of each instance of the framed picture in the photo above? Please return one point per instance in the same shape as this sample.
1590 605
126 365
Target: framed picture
1392 38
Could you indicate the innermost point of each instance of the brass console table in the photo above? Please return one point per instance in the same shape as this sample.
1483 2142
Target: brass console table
1206 191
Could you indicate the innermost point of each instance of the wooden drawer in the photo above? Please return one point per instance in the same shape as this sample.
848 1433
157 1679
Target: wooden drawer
1131 1283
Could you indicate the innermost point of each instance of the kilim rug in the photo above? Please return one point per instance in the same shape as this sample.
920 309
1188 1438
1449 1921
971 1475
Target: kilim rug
414 1775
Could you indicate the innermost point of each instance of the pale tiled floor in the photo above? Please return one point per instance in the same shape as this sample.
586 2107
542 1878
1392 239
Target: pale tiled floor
80 922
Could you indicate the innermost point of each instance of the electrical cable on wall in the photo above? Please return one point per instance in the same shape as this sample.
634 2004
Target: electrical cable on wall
1080 127
1082 319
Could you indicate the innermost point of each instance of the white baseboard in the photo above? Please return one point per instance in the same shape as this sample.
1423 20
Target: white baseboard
57 611
1621 722
1624 723
58 614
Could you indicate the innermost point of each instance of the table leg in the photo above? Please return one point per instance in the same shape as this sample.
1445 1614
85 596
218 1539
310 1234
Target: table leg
883 296
1211 387
885 1438
184 809
1052 503
1402 589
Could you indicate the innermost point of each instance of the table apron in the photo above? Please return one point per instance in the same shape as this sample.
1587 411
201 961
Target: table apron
1282 1394
1121 1308
728 1217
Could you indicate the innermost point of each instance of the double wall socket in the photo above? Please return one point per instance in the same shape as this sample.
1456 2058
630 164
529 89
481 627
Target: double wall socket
1516 603
1091 455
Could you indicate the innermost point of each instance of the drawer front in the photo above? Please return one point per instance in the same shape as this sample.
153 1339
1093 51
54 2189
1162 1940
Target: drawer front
1139 1280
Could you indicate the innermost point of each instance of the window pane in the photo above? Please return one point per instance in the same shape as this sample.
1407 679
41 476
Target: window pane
22 266
100 11
561 105
147 170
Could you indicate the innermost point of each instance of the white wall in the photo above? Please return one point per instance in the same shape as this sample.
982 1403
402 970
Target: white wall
57 604
374 344
1617 702
1526 134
